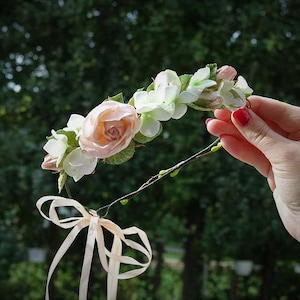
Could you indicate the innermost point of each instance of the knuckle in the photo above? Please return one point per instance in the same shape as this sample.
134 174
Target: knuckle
260 136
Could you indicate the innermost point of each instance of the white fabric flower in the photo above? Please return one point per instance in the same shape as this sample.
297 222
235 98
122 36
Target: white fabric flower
233 96
161 104
184 98
75 124
200 81
171 83
153 109
56 146
167 78
242 85
153 102
150 126
79 163
167 86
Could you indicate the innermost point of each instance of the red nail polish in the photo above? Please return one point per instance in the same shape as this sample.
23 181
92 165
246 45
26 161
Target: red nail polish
207 120
242 116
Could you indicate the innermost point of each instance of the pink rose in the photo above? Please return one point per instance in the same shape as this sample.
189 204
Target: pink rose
108 129
226 73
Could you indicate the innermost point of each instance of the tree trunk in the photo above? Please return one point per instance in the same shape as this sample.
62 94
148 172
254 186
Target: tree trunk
234 287
158 267
193 262
269 260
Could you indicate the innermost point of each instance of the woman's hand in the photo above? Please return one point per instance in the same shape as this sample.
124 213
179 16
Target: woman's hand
267 136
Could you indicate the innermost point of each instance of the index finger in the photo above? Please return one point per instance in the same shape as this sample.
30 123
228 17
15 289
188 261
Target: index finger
285 115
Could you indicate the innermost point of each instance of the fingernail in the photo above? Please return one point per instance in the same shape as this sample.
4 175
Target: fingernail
242 116
207 120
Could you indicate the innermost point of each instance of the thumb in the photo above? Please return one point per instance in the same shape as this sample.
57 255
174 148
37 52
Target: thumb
257 132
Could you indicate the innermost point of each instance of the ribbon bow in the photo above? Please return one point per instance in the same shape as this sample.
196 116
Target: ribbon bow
110 259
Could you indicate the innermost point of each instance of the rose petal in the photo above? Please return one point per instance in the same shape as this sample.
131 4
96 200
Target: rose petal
109 129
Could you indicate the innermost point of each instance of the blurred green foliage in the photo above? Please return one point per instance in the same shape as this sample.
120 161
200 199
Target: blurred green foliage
60 57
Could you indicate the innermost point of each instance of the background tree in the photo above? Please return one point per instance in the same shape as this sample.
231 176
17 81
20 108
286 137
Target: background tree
62 57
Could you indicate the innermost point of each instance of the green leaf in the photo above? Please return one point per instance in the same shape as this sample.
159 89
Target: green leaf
61 180
195 106
71 135
213 70
216 148
150 87
124 202
142 139
185 79
118 98
175 173
162 172
131 101
122 156
50 137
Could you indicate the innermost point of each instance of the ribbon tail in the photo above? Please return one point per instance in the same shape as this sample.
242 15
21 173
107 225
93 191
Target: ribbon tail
87 260
60 253
114 267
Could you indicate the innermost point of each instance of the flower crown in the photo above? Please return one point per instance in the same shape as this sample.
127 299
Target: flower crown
110 133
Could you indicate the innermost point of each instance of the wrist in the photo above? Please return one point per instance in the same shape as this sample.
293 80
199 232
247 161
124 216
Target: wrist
290 218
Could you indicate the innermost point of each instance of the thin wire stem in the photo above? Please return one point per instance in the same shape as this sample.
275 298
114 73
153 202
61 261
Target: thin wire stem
152 180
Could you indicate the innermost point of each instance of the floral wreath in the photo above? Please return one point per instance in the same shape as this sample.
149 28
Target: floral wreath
110 133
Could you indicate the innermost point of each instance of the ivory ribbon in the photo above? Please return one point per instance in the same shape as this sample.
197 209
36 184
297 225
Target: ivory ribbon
110 259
